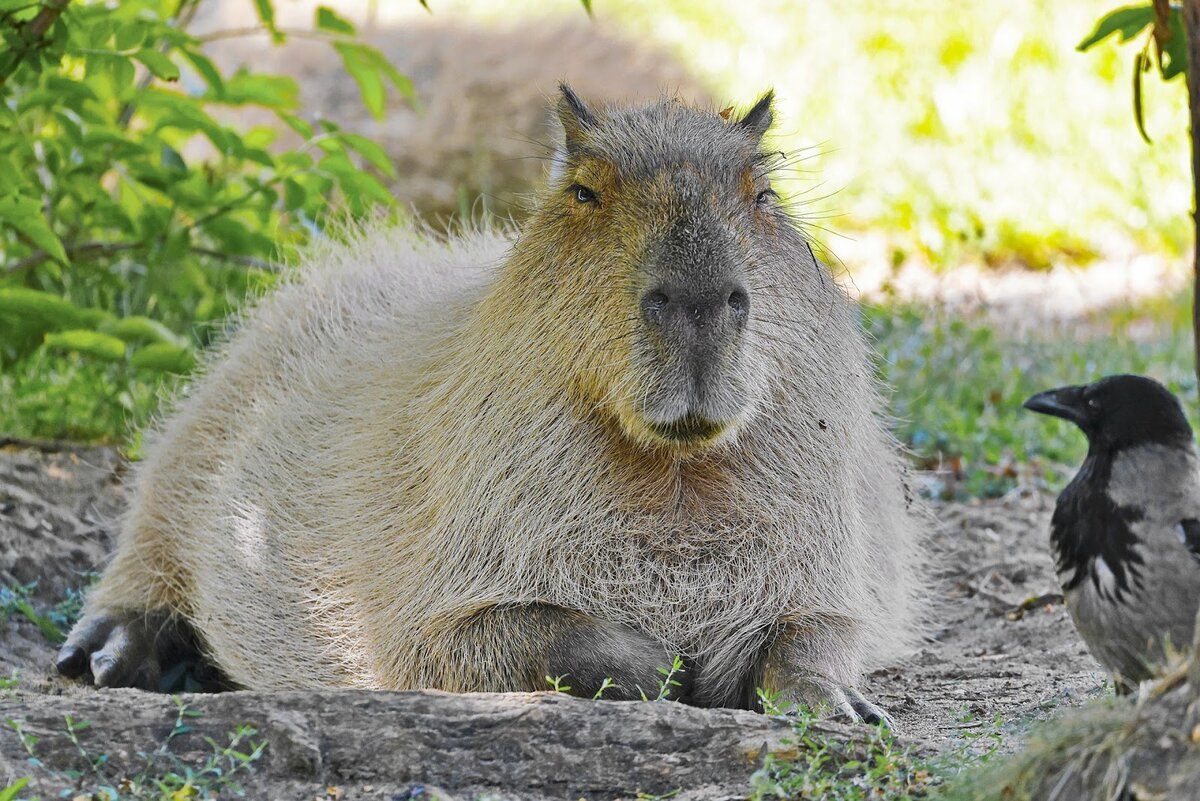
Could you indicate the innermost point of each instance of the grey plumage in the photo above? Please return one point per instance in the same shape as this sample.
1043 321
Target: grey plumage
1125 529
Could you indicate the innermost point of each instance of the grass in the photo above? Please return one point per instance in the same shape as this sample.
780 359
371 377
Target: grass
958 385
163 776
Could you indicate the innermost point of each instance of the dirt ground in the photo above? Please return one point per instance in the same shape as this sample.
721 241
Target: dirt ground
983 657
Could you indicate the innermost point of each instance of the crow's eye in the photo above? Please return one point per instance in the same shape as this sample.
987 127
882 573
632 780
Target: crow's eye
764 197
584 195
1093 404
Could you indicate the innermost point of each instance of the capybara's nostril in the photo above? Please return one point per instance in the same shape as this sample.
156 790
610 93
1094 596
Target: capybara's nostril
739 301
654 304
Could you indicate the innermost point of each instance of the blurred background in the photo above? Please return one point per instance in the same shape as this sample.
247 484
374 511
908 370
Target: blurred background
972 177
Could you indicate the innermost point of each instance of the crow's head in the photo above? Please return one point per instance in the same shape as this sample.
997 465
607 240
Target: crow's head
1120 411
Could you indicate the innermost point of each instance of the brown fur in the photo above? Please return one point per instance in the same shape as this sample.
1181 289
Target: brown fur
427 464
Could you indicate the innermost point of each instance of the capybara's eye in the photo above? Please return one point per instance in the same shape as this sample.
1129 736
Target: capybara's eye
764 197
585 195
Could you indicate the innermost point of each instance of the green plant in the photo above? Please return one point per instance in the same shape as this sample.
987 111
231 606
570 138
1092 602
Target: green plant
18 599
1166 38
132 217
813 765
162 775
958 384
10 792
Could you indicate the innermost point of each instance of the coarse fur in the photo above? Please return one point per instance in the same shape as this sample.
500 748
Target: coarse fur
411 436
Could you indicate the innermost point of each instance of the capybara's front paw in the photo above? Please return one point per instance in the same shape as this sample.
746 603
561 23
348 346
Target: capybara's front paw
117 649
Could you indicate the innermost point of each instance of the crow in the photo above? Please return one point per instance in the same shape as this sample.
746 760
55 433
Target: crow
1126 531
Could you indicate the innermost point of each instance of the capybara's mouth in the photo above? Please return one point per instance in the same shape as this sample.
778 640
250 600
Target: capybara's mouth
689 429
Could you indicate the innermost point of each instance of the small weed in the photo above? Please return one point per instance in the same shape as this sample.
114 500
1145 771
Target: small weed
667 682
607 684
558 683
9 686
814 766
163 776
18 599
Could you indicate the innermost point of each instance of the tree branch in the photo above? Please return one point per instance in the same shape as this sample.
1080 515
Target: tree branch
35 30
245 261
39 256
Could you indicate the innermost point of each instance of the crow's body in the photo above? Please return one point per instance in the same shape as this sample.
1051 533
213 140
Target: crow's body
1126 530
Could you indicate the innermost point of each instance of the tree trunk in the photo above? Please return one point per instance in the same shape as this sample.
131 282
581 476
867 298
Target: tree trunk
1191 22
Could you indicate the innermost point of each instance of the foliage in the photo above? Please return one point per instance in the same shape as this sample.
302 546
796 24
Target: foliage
812 765
958 385
10 792
131 216
55 623
163 775
1166 36
19 600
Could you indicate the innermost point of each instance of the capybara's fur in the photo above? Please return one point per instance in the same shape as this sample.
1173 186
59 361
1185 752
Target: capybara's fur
467 464
478 138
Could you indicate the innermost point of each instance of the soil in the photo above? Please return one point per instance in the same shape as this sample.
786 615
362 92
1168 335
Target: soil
989 653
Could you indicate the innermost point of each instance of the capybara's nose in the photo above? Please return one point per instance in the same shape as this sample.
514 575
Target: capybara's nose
669 305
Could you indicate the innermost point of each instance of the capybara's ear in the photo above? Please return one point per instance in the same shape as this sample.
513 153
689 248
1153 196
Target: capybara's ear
757 120
576 118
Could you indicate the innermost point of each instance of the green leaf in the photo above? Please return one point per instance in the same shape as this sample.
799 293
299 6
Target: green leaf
140 329
159 64
25 216
327 20
372 152
587 6
90 343
369 67
297 124
1141 63
1127 22
208 71
294 195
366 75
42 311
9 793
48 627
272 91
164 358
266 13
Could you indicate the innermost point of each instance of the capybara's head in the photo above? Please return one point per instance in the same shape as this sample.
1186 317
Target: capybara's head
658 242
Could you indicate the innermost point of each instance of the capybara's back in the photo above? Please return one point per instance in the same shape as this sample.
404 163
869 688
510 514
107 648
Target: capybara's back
645 427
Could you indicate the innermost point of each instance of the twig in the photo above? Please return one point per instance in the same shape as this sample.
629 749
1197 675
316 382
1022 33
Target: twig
39 256
299 33
245 261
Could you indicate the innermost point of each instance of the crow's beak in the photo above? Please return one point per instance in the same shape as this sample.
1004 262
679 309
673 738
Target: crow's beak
1064 402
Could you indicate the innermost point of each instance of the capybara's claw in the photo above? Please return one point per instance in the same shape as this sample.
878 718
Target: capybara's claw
866 711
71 661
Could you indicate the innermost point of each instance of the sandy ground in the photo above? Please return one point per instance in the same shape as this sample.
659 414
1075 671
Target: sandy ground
982 658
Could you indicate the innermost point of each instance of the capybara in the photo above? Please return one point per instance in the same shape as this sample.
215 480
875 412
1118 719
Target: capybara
645 426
